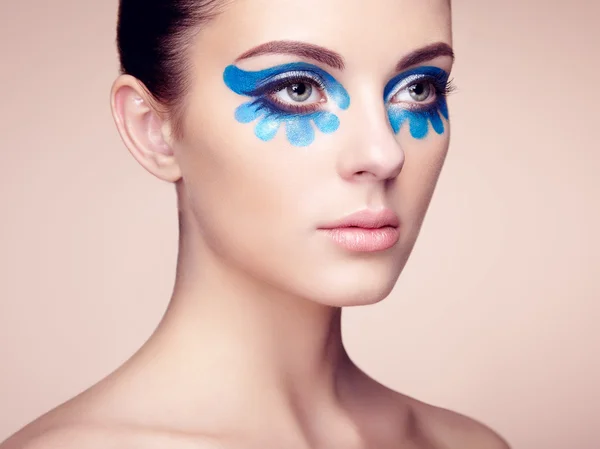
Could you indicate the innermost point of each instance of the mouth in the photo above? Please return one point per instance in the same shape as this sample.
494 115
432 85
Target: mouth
365 231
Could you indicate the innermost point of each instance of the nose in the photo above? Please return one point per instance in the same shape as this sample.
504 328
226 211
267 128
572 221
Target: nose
372 152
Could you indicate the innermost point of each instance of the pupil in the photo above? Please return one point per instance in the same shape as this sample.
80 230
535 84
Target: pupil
299 89
418 89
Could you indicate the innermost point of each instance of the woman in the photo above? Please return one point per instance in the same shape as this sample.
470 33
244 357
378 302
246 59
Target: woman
305 142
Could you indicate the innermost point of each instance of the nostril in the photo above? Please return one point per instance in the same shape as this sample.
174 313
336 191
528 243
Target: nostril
364 174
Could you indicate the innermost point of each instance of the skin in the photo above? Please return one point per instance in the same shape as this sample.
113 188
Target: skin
249 353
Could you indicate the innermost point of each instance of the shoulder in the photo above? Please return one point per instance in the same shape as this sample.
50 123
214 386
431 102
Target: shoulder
102 437
451 430
439 427
60 436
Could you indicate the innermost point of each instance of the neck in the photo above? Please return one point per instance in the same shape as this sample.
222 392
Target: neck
243 343
292 341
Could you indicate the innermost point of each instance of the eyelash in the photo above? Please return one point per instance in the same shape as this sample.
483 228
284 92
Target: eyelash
442 87
266 93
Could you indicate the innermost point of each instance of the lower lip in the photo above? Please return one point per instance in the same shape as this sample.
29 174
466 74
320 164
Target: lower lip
364 239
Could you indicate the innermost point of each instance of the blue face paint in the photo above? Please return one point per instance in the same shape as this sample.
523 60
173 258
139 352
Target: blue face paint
418 115
262 85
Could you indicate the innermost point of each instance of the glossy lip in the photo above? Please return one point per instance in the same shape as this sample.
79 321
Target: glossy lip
367 219
366 231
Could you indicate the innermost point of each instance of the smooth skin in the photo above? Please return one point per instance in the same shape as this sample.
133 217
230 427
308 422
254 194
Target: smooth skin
249 353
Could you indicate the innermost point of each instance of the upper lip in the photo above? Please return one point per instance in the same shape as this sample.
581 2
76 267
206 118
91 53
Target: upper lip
367 218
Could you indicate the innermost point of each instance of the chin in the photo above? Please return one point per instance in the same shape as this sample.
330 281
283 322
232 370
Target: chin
354 294
354 286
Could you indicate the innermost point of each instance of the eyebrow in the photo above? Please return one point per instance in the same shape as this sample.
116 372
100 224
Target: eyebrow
302 49
335 60
425 54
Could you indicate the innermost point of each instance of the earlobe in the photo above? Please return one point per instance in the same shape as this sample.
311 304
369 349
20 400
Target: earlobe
142 129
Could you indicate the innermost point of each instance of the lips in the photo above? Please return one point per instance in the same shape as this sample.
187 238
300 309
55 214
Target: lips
366 219
366 231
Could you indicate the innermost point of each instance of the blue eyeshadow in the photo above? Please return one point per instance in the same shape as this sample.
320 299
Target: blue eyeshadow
419 119
298 126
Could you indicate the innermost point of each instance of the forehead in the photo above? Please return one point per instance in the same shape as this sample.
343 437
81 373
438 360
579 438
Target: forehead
361 31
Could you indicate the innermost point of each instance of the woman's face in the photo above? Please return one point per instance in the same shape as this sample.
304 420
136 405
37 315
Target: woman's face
283 138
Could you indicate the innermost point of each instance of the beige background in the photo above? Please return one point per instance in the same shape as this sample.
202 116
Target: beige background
497 313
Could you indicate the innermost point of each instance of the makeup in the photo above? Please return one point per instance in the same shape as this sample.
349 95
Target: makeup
418 96
274 93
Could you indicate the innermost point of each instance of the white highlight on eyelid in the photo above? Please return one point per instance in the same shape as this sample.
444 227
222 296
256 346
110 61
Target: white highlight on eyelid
403 84
299 74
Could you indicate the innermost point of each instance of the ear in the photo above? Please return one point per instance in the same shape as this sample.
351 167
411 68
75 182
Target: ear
143 130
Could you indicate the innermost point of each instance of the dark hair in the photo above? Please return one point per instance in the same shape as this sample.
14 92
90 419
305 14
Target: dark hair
153 37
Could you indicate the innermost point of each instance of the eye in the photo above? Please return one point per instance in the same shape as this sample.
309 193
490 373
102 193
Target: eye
421 92
294 92
299 93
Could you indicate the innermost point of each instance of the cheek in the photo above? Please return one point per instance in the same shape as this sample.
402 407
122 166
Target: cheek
248 194
256 207
424 159
229 185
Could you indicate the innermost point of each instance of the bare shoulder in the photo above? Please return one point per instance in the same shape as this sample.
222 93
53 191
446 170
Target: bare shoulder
104 437
451 430
433 426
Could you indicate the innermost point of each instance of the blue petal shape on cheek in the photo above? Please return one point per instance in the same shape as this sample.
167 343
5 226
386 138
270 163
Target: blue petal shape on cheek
397 118
247 113
418 121
267 129
327 122
436 122
300 133
419 126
